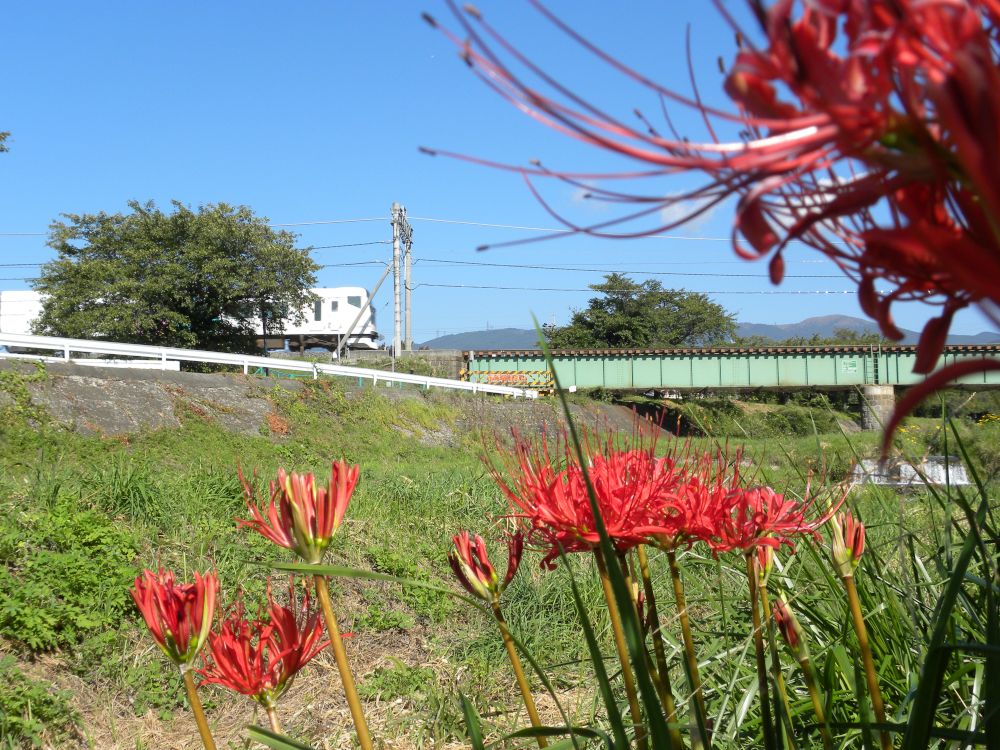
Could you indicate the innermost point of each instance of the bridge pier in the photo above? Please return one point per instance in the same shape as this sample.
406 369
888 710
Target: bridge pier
876 406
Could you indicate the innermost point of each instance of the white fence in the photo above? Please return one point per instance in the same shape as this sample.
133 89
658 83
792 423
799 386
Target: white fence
167 357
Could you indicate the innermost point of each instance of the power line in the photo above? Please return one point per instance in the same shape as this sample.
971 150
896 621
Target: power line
588 289
557 230
349 244
328 221
463 222
601 270
356 263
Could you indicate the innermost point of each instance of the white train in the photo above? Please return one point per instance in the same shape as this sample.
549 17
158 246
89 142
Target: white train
325 321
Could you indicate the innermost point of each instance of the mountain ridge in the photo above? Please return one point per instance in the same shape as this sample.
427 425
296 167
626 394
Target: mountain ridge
821 325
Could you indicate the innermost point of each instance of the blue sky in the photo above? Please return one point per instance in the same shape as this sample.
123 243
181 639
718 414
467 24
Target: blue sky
314 111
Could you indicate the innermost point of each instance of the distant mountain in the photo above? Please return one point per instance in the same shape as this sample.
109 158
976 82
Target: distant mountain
824 325
495 338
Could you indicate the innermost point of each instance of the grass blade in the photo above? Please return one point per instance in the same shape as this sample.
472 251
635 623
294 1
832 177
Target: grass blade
597 659
658 730
275 741
473 724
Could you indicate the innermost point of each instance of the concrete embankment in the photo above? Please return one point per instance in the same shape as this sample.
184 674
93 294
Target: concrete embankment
112 401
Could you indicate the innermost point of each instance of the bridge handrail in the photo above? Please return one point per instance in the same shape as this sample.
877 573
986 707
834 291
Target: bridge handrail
246 361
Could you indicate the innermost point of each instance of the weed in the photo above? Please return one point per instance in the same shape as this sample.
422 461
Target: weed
398 681
65 573
32 712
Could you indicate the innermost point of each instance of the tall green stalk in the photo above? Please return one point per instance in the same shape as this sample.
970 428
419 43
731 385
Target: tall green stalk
781 705
767 724
667 698
874 692
658 671
622 649
340 655
197 710
515 663
682 614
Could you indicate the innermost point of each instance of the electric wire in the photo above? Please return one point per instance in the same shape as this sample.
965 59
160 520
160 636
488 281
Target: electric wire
349 244
601 270
588 289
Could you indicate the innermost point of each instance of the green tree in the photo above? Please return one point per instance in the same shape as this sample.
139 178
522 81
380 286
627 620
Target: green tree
3 141
200 279
634 315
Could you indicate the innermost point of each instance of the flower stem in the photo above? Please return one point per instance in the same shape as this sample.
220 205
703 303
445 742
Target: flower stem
692 661
622 648
782 709
522 681
810 679
767 724
272 716
340 654
197 710
663 684
866 655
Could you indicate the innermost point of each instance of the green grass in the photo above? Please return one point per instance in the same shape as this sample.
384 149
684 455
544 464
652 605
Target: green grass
32 712
82 514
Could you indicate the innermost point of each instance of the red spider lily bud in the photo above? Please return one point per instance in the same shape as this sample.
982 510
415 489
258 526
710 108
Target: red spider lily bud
848 535
179 616
473 569
303 516
790 629
260 658
765 563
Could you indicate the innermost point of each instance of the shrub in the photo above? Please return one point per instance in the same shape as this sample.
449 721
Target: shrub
65 573
32 712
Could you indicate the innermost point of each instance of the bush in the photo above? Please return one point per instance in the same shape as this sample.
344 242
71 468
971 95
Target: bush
65 573
32 712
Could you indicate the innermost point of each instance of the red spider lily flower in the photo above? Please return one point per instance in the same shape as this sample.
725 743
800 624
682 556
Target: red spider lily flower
302 515
790 629
759 516
694 505
848 537
867 130
473 568
179 616
260 658
629 486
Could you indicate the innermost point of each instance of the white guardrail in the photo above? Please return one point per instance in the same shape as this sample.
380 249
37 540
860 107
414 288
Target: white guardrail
167 357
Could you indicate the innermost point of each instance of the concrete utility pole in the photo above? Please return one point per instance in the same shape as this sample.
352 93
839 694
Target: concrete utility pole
408 283
397 220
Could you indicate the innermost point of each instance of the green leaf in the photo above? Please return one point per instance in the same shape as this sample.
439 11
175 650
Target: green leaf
597 659
588 732
473 724
274 740
919 729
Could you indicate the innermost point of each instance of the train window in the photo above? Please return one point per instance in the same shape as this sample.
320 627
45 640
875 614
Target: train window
318 310
333 306
354 301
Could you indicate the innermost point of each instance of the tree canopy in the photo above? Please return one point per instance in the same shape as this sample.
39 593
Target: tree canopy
186 278
630 314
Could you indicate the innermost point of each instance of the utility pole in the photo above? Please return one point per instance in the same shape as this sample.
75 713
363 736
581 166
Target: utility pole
408 282
396 227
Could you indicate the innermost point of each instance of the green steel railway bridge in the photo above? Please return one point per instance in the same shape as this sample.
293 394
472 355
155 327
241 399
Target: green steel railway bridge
876 370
